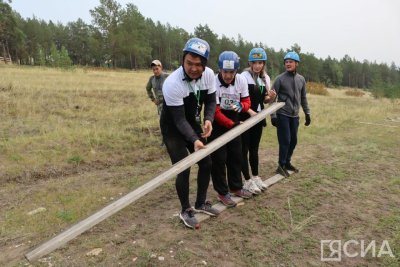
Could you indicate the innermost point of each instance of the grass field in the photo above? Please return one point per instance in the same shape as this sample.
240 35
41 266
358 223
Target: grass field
71 142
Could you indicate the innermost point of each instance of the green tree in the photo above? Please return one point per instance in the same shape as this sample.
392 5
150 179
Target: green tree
133 38
64 60
107 17
54 58
40 57
7 27
332 73
204 32
79 42
310 67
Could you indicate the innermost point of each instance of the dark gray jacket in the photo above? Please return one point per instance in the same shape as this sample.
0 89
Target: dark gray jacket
291 89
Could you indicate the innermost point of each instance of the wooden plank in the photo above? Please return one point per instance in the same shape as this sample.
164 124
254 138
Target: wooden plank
126 200
221 207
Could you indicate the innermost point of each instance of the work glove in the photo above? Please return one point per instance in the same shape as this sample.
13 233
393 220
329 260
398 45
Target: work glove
274 121
308 120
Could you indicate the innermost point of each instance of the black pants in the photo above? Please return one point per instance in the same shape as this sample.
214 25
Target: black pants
227 161
287 137
250 144
178 149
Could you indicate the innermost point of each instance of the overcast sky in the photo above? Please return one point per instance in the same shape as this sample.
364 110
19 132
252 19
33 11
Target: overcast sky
363 29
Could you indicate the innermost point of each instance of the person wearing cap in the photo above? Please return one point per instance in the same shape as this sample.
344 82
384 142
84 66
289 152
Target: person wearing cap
232 99
155 83
259 85
187 91
290 88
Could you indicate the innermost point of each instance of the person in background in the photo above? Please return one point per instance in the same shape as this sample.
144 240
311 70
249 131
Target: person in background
186 91
155 84
291 89
232 98
259 84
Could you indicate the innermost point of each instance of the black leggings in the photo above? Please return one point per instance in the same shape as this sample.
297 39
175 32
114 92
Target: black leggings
178 149
250 144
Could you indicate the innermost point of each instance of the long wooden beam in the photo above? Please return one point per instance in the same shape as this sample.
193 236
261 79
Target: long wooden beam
129 198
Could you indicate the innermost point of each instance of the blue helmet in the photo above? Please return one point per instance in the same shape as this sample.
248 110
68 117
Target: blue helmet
292 55
197 46
257 54
228 60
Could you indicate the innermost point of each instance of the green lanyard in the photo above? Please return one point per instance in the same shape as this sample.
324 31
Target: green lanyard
195 92
260 86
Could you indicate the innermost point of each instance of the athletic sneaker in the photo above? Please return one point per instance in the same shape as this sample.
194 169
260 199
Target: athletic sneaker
227 200
259 183
243 193
188 219
282 171
251 186
207 209
292 168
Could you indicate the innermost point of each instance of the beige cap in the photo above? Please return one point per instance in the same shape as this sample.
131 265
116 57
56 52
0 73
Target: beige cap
156 62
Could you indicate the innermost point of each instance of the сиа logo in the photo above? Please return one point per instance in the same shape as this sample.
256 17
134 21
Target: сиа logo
333 250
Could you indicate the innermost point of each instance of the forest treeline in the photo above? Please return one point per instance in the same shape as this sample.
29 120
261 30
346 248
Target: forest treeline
121 37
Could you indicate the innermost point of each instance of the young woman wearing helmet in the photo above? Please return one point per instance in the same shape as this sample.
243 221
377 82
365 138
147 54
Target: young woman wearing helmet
291 89
232 99
186 91
259 90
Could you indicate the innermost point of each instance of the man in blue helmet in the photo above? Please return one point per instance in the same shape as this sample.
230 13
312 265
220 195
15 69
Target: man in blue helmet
232 99
290 88
186 91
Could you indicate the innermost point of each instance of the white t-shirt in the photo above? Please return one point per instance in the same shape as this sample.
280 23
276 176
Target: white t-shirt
259 82
175 88
232 93
250 79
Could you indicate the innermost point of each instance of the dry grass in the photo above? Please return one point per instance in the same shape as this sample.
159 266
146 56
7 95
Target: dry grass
73 141
355 92
316 88
52 117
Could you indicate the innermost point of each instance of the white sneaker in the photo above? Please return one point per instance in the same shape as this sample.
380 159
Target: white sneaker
259 183
250 186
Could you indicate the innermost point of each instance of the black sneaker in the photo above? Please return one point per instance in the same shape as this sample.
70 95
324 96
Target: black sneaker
292 168
207 209
282 171
188 219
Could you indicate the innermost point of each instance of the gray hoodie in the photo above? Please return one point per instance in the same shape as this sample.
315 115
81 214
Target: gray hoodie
291 89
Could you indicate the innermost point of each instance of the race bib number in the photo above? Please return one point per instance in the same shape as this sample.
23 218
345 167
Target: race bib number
227 100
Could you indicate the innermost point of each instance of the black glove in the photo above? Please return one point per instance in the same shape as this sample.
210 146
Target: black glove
308 120
274 121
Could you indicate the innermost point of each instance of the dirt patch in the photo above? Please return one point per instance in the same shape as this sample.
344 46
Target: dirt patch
265 230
